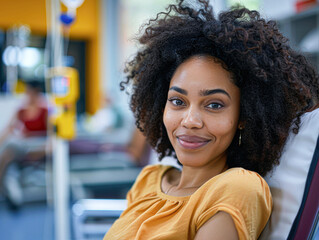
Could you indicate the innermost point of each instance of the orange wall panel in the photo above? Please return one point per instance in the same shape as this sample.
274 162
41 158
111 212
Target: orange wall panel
30 12
86 27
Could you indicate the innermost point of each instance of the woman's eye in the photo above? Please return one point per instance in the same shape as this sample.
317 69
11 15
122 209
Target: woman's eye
176 102
215 105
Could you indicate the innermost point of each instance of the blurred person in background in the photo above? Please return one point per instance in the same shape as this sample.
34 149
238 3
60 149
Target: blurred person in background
25 136
107 121
137 148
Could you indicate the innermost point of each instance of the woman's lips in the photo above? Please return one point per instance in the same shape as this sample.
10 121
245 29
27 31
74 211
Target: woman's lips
192 142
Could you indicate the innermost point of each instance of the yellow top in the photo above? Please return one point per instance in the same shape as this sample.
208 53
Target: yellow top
151 214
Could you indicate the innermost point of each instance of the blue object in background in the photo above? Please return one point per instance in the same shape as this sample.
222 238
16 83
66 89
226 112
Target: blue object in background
67 19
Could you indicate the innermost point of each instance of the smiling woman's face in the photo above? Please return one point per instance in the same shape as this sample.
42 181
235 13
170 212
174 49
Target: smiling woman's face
201 113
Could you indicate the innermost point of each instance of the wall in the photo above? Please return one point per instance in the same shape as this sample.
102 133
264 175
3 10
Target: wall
8 106
86 27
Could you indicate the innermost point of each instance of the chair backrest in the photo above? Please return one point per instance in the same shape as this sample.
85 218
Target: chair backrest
92 218
293 185
306 221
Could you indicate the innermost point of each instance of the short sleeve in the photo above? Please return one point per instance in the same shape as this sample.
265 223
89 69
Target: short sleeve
144 184
244 195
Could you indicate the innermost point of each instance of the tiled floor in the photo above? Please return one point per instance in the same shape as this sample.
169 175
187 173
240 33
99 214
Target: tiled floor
31 222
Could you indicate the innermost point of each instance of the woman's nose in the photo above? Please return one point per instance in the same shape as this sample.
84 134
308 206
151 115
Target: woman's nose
192 119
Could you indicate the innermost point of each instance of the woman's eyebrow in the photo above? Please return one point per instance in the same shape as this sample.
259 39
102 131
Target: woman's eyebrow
180 90
213 91
202 92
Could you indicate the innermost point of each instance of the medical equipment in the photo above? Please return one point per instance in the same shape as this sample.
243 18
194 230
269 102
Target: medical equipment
64 87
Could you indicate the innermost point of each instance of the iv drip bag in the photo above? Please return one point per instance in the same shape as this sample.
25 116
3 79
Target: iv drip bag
72 4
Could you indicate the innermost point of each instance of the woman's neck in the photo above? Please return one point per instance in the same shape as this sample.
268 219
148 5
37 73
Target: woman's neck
187 181
196 177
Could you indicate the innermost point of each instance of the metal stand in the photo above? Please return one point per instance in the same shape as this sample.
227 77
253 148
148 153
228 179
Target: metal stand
60 149
61 189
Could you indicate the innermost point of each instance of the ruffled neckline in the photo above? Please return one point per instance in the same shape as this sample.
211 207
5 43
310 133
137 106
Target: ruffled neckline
161 194
159 190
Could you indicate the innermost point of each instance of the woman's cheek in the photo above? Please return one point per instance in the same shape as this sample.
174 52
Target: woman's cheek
224 127
169 118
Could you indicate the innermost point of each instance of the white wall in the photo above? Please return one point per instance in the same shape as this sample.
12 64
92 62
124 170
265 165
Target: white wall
274 9
8 105
218 5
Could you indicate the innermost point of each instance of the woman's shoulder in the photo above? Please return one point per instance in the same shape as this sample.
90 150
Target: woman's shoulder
155 169
147 181
150 175
241 177
243 194
236 185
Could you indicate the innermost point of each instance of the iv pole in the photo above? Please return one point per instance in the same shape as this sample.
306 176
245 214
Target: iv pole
60 151
65 78
64 113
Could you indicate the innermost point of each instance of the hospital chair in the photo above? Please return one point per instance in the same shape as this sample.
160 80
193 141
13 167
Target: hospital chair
25 181
110 171
92 171
294 185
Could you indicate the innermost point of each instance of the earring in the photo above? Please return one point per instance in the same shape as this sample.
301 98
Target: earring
239 140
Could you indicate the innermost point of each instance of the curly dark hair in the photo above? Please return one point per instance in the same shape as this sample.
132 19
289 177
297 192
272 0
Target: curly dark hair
277 84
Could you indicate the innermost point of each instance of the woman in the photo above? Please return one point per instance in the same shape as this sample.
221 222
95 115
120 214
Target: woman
220 95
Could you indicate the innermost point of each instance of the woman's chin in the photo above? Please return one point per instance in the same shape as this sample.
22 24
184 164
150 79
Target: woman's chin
191 161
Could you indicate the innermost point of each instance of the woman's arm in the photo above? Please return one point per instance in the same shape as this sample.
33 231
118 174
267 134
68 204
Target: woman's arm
219 227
